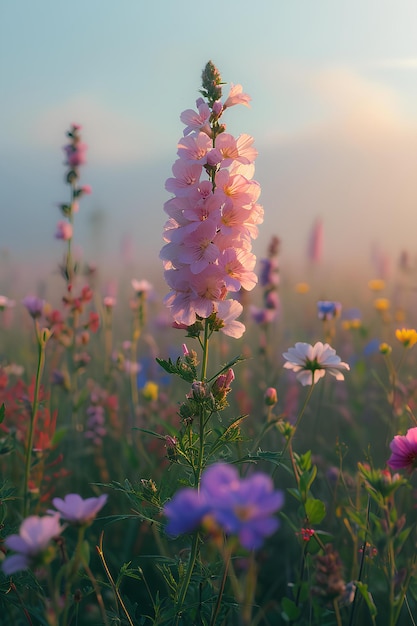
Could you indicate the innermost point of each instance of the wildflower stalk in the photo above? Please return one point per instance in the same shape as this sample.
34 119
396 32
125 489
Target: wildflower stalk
41 337
97 592
113 585
197 473
73 570
290 437
402 596
227 556
337 612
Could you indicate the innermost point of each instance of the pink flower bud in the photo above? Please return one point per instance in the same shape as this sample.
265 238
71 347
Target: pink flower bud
270 396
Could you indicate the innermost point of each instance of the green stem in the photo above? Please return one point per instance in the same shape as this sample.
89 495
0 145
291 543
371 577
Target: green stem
197 473
337 612
297 423
402 596
33 415
73 570
227 557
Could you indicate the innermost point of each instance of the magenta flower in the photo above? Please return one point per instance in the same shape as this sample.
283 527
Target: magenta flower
310 363
404 451
35 536
243 507
77 511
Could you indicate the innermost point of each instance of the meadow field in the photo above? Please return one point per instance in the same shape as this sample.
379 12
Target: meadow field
226 445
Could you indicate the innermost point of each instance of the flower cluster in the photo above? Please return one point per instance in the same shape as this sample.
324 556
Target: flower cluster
241 507
212 220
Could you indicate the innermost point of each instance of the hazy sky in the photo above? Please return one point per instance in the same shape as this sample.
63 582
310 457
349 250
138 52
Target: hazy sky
334 116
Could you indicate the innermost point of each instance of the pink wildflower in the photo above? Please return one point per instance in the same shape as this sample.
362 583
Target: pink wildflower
63 230
207 249
236 96
404 451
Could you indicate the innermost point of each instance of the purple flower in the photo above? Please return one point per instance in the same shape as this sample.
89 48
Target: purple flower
240 506
35 535
34 305
404 451
185 511
75 510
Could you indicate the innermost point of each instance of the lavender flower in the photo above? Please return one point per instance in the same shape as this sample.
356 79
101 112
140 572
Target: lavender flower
77 511
35 535
34 305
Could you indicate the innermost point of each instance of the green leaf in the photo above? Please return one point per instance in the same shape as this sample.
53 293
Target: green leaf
294 492
307 479
2 412
261 455
85 552
363 590
290 611
315 510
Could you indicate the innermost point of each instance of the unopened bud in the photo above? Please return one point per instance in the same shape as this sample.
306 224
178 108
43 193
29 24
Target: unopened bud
270 396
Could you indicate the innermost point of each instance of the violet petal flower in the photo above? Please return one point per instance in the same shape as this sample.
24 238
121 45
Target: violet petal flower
74 509
185 511
243 506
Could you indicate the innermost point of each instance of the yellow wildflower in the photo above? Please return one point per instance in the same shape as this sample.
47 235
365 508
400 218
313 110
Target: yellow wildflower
382 304
406 336
377 284
150 391
302 288
385 348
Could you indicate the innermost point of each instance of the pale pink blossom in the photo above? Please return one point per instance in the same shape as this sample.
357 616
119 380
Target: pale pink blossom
198 250
63 230
228 311
194 148
238 266
197 121
76 154
240 149
310 363
6 303
236 96
141 286
109 302
187 175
